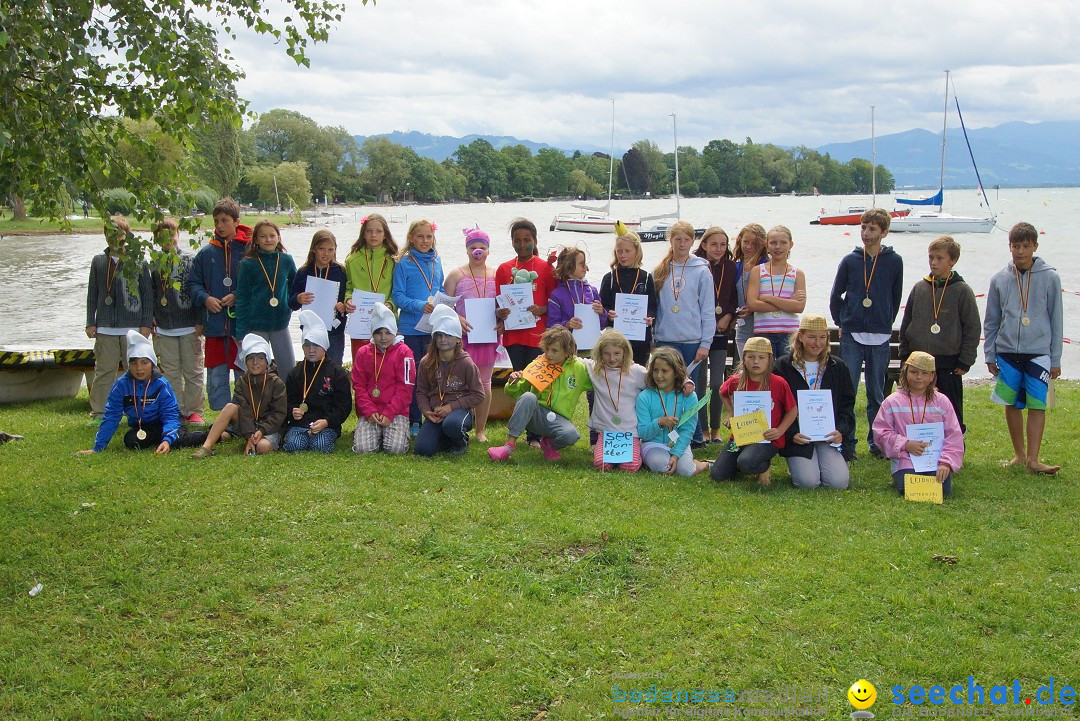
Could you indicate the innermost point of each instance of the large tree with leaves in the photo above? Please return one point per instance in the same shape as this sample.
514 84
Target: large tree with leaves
72 68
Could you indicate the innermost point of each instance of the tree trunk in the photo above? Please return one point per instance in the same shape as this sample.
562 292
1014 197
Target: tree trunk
18 208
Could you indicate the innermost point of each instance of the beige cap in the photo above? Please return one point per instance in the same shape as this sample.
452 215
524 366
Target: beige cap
922 361
758 344
810 321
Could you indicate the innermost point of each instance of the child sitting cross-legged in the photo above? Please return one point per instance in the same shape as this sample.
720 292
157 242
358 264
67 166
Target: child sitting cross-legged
318 392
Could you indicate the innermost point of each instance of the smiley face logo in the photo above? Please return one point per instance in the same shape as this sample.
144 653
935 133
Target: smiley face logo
862 694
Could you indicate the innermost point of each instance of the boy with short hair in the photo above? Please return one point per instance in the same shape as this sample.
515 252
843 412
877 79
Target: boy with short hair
211 285
864 302
941 318
177 329
547 412
113 308
1023 326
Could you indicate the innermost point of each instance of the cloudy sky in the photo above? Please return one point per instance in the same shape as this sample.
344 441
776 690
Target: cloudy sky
775 70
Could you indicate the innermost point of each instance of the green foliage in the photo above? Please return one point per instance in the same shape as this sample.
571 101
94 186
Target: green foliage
484 169
119 201
68 64
291 183
330 154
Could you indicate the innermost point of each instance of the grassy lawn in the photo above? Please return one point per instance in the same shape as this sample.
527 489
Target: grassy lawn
94 224
341 587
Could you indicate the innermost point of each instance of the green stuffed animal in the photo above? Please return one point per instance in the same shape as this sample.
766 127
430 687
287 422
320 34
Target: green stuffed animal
524 276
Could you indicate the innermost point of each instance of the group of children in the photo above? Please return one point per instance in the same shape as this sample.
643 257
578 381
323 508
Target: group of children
239 292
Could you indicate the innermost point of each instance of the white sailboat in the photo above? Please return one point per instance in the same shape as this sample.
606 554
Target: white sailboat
936 221
658 231
595 220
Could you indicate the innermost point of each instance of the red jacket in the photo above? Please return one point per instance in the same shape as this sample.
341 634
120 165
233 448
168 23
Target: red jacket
396 381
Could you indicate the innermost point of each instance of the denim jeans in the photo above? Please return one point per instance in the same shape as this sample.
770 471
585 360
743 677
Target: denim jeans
687 351
875 358
452 435
218 390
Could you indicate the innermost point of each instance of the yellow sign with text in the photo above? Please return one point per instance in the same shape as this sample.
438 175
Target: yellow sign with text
923 489
749 428
541 373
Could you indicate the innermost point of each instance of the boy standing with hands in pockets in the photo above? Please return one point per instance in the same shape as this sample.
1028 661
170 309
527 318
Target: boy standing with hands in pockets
1024 325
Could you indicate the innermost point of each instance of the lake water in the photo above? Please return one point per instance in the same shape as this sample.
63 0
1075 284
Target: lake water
44 292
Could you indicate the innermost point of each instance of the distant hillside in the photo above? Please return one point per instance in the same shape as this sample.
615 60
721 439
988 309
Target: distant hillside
1013 154
440 147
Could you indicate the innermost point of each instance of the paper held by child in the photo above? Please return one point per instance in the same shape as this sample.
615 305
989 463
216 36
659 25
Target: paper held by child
750 428
541 373
424 324
518 298
359 322
922 489
618 446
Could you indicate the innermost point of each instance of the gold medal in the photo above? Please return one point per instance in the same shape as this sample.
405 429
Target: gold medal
303 407
867 302
273 302
674 308
719 310
375 393
616 420
164 302
935 329
1025 321
140 434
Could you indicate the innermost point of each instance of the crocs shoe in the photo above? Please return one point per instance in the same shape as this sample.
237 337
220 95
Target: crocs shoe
499 453
203 452
196 418
547 446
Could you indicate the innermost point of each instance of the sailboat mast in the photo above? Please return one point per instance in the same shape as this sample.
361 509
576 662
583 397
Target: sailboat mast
944 124
873 161
611 158
675 132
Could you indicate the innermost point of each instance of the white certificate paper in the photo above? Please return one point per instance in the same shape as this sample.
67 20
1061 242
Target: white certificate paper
424 324
326 293
745 402
816 417
480 312
932 433
586 336
517 297
630 312
359 325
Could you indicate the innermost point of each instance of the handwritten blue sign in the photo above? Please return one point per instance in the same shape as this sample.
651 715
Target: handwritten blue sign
618 446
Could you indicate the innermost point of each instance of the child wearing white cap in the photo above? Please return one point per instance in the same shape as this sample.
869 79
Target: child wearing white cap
383 379
318 393
448 388
146 398
257 410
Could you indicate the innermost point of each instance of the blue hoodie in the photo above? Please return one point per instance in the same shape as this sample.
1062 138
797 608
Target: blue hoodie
411 290
126 399
849 291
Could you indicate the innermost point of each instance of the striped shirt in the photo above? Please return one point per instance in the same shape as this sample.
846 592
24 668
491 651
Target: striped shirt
780 286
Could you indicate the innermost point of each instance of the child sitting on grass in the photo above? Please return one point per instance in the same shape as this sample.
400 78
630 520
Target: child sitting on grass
657 410
383 379
257 410
755 374
146 398
318 392
448 388
918 402
547 412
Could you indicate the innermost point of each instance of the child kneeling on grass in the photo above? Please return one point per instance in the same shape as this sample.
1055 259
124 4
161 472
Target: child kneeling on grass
448 388
146 398
318 392
755 374
657 410
383 379
917 401
547 412
257 410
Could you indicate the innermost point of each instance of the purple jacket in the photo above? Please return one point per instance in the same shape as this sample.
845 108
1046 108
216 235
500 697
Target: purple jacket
566 294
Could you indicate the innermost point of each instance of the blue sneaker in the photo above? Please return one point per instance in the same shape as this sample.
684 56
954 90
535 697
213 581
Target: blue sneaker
414 430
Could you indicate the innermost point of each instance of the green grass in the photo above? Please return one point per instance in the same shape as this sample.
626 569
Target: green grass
44 226
340 587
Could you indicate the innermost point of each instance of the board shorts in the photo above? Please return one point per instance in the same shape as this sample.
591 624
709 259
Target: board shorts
1023 380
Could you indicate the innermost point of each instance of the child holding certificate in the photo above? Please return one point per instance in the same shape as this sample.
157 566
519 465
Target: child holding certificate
910 409
814 461
321 264
628 277
755 374
617 381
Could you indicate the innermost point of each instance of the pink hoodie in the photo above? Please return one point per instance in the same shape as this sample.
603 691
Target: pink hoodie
896 413
397 380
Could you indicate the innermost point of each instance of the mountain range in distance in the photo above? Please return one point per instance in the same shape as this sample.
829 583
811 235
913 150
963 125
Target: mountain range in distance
1016 154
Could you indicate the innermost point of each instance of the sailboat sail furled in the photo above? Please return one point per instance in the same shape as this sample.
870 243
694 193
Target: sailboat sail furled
935 221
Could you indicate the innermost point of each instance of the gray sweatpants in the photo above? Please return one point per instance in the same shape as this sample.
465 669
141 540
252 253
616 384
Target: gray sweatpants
826 467
530 416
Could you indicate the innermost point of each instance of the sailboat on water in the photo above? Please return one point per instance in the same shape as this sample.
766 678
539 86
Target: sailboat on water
936 221
595 220
658 231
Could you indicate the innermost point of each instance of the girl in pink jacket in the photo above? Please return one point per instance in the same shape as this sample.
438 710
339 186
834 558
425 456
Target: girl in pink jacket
383 380
918 402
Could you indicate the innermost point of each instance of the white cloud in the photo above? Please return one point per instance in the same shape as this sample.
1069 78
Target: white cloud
777 71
